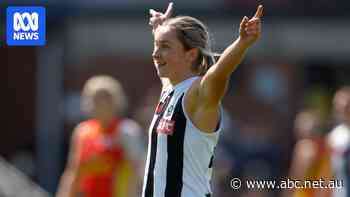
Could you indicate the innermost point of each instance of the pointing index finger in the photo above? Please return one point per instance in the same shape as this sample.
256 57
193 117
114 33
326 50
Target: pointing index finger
152 12
259 12
169 10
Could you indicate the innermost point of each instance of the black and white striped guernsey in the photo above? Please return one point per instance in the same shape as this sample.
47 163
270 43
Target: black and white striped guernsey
179 158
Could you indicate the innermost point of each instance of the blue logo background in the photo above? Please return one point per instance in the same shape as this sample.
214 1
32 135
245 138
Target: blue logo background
26 41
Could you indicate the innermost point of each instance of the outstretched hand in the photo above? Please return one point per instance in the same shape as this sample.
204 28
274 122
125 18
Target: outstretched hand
250 29
157 18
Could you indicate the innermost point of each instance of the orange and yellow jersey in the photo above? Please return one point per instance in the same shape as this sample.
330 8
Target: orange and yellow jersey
104 170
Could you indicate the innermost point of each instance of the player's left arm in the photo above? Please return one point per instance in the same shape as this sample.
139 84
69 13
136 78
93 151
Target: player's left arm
213 84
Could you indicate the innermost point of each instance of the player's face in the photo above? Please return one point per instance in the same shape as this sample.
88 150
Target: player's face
305 125
103 105
169 55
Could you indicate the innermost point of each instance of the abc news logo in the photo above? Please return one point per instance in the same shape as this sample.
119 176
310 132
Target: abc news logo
29 29
26 26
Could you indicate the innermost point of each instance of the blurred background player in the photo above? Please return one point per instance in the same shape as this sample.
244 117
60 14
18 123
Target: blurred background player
339 140
311 158
106 151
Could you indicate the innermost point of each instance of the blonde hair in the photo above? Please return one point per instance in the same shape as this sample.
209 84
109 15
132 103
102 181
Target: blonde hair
103 83
192 33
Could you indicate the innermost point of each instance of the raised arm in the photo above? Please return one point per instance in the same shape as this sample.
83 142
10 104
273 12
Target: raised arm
213 85
156 19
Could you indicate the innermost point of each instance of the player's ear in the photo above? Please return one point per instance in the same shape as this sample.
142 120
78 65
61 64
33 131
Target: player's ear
192 54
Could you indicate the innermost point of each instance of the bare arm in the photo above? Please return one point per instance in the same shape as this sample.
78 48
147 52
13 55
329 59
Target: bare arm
303 156
213 85
68 183
157 18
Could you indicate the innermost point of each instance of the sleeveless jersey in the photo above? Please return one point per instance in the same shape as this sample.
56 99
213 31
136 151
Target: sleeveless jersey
103 168
180 156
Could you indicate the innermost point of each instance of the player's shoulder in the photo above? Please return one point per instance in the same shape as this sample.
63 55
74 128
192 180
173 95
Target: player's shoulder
84 128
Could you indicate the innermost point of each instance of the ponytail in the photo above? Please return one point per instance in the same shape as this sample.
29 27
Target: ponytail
206 60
